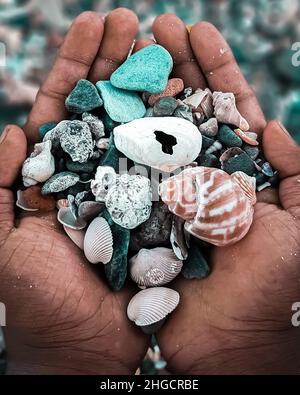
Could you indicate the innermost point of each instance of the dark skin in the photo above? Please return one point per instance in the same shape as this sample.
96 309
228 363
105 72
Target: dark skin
62 318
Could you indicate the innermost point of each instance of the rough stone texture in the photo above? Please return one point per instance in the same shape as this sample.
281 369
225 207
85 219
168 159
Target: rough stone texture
84 97
174 86
146 70
95 124
228 137
240 162
60 182
155 232
121 105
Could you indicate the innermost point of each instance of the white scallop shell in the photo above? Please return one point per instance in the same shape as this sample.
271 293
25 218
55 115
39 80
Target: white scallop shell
151 268
164 143
39 166
98 242
152 305
66 218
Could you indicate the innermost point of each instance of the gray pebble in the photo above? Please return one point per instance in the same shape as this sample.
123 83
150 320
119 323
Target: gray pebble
209 128
165 107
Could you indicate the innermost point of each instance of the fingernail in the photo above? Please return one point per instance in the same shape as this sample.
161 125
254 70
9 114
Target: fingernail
284 129
4 134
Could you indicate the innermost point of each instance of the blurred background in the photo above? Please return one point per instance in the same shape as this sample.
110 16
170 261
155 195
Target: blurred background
264 35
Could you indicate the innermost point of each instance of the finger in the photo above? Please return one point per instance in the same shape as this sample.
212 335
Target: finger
13 146
142 43
269 195
171 33
73 63
284 155
223 73
121 27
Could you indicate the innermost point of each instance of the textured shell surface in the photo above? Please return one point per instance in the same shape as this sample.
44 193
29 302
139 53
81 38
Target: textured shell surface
98 242
105 178
151 305
66 218
247 184
155 267
225 110
40 165
129 201
164 143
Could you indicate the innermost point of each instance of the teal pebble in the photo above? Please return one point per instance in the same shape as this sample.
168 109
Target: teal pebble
121 105
240 162
78 188
165 107
251 151
260 179
228 137
76 167
45 128
146 70
84 97
206 142
208 160
60 182
116 269
109 124
112 156
184 112
149 113
195 266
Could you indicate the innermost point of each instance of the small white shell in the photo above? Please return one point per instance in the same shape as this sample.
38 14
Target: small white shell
151 268
66 218
152 305
98 242
105 179
77 236
39 166
21 203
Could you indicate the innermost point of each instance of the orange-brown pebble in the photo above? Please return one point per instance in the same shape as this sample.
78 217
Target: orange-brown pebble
175 86
33 198
247 139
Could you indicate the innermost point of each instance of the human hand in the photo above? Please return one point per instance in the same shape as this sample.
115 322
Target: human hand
238 320
61 317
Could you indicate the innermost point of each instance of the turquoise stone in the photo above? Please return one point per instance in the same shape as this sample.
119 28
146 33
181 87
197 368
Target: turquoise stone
45 128
84 97
195 266
60 182
121 105
228 137
240 162
112 156
116 269
146 70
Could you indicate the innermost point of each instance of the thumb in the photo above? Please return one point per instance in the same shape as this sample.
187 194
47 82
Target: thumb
13 147
284 155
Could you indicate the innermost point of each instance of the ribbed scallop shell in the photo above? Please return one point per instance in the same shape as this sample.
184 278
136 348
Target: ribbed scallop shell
151 268
98 242
247 183
152 305
224 211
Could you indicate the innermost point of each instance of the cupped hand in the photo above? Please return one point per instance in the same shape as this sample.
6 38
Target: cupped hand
61 317
238 320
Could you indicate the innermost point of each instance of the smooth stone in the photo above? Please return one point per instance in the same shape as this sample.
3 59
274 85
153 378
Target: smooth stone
86 177
165 107
76 140
209 128
95 124
77 167
208 160
45 128
109 124
149 113
116 269
183 111
228 137
267 169
121 105
195 266
174 87
207 142
251 151
60 182
84 97
146 70
155 232
240 162
33 198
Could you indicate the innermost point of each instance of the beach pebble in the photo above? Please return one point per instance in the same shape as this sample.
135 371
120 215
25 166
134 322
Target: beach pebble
240 162
89 210
146 70
84 97
267 169
76 140
207 142
260 179
184 111
174 87
208 160
45 128
60 182
209 128
228 137
77 167
253 152
164 107
195 266
95 124
109 124
149 112
33 199
121 105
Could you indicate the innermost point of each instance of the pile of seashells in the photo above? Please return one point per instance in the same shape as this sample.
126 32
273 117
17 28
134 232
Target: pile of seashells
146 181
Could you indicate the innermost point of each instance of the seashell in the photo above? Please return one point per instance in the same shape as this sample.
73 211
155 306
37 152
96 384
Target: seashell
21 202
77 236
209 128
66 218
155 267
230 153
224 212
252 135
98 242
216 146
62 203
129 201
89 210
152 305
177 238
164 143
225 110
247 184
245 137
201 101
39 166
105 178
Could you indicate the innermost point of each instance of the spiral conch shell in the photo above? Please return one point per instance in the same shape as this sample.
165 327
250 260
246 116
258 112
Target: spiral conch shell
226 112
218 207
151 268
